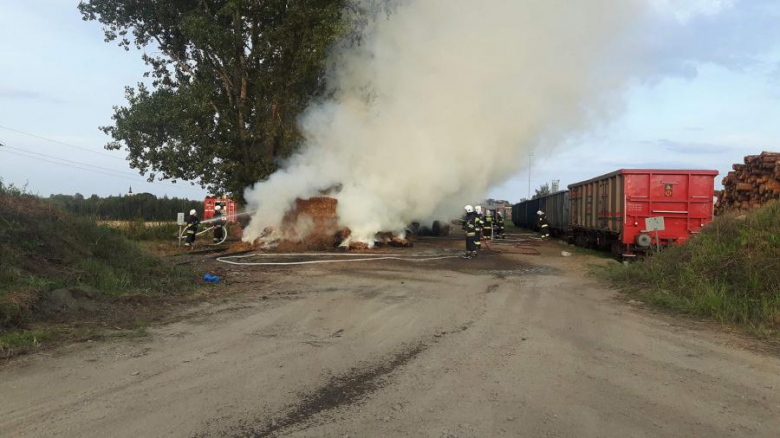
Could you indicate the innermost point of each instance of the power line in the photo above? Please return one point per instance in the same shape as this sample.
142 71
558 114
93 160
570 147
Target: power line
4 149
61 142
69 161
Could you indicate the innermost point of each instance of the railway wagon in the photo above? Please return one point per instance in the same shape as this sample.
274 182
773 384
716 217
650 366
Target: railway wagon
609 211
555 206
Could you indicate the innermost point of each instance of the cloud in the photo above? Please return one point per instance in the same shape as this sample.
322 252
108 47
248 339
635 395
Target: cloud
684 10
692 148
17 93
647 164
731 33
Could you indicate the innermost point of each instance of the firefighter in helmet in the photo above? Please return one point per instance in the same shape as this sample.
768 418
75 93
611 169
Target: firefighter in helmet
480 223
544 225
499 225
470 227
192 227
487 228
219 223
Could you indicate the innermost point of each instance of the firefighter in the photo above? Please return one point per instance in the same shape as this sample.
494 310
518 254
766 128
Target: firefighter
500 225
544 225
470 227
219 222
192 227
487 228
480 223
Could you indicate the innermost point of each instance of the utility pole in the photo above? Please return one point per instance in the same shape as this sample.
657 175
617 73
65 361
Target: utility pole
530 160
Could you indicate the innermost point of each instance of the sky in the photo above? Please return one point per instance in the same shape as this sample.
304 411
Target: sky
710 96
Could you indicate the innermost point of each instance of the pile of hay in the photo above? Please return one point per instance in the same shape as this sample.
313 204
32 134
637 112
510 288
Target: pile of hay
312 225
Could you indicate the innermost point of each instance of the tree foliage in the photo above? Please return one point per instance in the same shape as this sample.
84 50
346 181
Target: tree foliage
144 206
228 80
543 190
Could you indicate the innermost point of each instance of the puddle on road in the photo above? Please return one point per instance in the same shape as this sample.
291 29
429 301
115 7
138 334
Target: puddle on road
342 390
531 270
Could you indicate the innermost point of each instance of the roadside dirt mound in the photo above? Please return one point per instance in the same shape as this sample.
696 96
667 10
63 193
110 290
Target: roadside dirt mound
49 258
67 300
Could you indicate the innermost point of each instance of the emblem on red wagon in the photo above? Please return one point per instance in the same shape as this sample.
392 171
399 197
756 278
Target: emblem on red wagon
668 190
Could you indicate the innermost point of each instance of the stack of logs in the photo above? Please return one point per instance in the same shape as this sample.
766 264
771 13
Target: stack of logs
750 185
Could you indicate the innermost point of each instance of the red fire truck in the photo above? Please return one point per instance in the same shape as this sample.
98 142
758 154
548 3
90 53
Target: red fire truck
229 208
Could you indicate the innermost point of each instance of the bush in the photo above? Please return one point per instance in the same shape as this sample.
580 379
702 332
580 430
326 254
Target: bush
731 272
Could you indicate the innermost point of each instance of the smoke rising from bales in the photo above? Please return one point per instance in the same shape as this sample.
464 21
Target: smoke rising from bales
443 99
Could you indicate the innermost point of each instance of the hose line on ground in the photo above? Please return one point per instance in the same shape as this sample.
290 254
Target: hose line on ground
349 258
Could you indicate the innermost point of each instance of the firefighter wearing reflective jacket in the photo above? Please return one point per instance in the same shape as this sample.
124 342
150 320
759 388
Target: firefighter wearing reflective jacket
470 227
544 225
499 226
480 223
192 227
487 228
219 223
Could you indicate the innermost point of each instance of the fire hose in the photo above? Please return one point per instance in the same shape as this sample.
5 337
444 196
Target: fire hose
348 258
224 233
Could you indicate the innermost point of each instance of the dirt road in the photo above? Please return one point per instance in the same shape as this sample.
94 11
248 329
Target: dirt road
511 345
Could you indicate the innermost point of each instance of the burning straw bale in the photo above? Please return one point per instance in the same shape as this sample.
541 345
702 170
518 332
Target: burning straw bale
312 225
390 240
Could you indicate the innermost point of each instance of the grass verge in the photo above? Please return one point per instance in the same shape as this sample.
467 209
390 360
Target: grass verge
21 341
729 273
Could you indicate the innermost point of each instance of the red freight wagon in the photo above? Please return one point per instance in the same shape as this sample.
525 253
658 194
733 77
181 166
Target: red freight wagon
610 210
229 208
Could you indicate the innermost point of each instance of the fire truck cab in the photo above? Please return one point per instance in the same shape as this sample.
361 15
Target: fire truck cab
229 208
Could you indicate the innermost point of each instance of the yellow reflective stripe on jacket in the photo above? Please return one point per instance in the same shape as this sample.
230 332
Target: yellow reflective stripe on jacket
470 234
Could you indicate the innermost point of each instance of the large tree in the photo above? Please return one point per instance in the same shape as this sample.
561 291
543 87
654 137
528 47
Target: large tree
229 78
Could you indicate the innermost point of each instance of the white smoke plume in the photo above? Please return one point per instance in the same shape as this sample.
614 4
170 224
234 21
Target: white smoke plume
443 99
